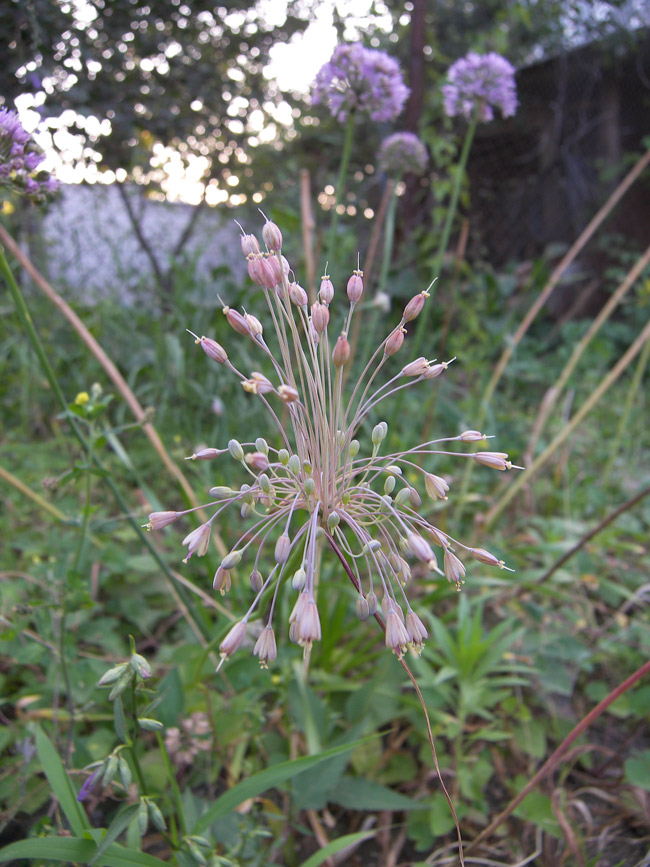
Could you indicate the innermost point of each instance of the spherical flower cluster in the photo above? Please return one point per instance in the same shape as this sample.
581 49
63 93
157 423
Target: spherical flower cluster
401 153
19 159
362 81
317 487
480 82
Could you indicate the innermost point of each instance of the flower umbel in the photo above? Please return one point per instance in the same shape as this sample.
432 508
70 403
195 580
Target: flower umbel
317 485
401 153
19 159
361 80
483 82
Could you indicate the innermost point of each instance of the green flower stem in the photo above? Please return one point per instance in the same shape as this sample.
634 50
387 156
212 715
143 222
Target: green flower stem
459 173
630 397
135 736
340 184
175 791
27 323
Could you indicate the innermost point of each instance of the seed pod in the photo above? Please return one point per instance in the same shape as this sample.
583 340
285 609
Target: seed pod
272 236
496 460
236 321
416 368
213 349
341 352
298 295
434 370
414 306
320 317
326 291
355 287
394 342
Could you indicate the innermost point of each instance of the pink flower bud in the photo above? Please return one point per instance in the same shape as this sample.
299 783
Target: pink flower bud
254 266
484 556
237 321
205 455
341 351
434 370
275 269
288 393
394 342
326 291
254 325
298 295
249 245
213 349
355 287
158 520
257 461
471 436
232 641
416 368
268 273
420 547
282 549
320 317
414 306
496 460
272 236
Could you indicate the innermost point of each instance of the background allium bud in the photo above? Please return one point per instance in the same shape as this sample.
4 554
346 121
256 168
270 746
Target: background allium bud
341 351
401 153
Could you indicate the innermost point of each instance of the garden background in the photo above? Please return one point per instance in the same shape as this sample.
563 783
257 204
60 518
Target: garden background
166 122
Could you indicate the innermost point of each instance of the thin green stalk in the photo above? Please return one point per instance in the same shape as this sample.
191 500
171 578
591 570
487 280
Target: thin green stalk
27 323
175 791
568 429
630 397
459 173
340 184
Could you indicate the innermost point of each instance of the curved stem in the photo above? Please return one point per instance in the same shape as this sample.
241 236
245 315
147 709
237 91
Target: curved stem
555 757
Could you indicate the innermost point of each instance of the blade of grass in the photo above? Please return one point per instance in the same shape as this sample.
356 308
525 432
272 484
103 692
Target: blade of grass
61 784
73 850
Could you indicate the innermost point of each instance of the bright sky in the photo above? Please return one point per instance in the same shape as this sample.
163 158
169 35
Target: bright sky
293 65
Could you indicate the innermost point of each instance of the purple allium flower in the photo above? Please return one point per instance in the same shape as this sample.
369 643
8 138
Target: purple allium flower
483 80
19 158
363 80
401 153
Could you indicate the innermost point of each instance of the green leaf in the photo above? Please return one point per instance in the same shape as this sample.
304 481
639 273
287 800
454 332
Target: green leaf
356 793
267 779
60 783
119 823
73 849
637 770
335 846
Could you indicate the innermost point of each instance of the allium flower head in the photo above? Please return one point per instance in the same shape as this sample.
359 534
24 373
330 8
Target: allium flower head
19 159
360 80
483 81
401 153
326 478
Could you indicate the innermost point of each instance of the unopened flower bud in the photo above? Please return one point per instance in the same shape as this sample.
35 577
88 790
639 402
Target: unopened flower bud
283 457
496 460
379 433
420 547
471 436
320 317
261 445
205 455
236 321
310 486
402 497
298 295
414 306
484 556
257 461
113 674
434 370
275 270
272 236
416 368
249 245
255 327
294 464
389 485
362 608
341 352
371 599
355 287
326 291
221 492
231 560
288 393
233 639
298 579
282 549
158 520
355 445
333 520
235 449
140 665
213 349
394 342
256 581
